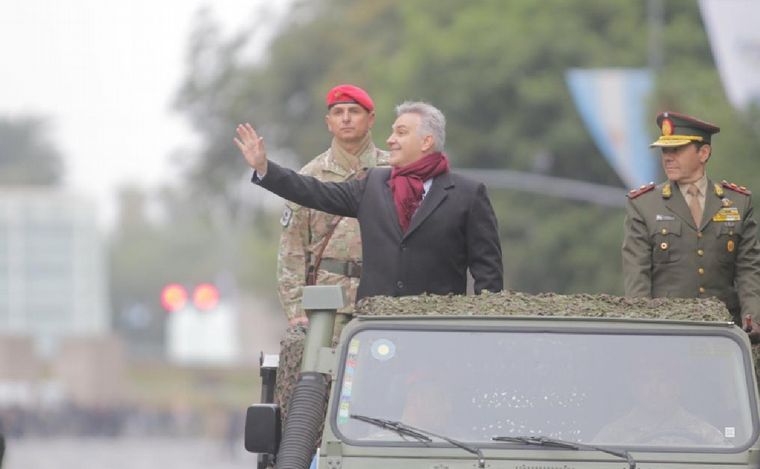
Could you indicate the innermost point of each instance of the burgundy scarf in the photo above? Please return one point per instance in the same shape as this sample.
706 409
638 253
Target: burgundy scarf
407 184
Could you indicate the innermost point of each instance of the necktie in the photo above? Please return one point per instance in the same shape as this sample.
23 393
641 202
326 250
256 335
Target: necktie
694 207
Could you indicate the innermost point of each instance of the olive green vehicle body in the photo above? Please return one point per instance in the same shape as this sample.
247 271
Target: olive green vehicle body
569 377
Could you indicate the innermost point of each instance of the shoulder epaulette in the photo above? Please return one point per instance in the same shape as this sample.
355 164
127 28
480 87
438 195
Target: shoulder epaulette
735 188
633 193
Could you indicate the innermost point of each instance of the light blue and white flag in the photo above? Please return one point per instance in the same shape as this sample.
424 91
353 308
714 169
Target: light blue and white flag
733 27
612 104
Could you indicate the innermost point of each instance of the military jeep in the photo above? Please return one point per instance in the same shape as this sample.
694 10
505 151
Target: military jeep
517 381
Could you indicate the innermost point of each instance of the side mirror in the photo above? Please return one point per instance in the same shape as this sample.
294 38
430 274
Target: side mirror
262 428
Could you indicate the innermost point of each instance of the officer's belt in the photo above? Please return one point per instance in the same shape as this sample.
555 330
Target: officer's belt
346 268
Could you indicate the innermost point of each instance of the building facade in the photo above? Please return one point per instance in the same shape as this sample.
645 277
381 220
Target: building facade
53 277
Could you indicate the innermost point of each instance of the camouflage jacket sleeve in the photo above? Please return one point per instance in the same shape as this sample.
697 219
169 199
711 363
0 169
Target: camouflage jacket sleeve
292 258
637 254
748 266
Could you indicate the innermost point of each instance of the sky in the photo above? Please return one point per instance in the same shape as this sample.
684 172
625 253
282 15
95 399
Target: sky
105 75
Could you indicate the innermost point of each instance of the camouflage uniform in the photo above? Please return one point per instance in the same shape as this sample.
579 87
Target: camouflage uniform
305 229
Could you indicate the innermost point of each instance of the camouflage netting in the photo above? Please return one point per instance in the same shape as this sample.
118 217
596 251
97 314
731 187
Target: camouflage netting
547 304
291 353
507 304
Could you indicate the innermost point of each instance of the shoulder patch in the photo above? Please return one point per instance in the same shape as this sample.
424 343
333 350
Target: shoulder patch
287 214
633 193
735 188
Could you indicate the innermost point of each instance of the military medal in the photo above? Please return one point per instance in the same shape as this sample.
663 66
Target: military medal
727 214
730 245
726 202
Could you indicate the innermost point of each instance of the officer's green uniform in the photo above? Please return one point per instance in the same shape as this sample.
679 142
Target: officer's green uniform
666 255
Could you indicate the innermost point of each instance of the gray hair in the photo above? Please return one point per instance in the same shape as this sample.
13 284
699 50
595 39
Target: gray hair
432 121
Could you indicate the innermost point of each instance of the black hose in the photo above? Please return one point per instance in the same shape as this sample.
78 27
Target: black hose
306 413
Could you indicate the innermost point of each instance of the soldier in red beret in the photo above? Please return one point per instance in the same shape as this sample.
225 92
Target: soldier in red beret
691 237
316 247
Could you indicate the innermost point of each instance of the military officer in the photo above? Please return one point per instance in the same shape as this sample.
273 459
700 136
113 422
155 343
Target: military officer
316 247
692 237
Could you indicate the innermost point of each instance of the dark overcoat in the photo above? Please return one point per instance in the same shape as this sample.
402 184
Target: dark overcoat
454 229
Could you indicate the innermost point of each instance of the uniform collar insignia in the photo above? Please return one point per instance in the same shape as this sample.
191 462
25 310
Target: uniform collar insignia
718 190
666 191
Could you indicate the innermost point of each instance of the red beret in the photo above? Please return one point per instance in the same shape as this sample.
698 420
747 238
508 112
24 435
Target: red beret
349 94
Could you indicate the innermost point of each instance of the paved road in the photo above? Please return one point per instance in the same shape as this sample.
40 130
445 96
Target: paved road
125 453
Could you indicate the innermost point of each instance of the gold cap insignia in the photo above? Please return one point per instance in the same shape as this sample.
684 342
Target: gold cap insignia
667 127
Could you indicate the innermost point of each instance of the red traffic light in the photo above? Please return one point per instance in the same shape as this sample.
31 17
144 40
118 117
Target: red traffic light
205 297
173 297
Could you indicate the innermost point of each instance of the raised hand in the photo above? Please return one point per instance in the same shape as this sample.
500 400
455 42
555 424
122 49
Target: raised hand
252 148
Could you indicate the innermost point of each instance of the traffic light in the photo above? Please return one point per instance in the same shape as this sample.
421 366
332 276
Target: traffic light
202 327
173 297
205 297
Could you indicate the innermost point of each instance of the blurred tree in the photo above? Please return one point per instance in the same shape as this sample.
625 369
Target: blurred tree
27 155
497 71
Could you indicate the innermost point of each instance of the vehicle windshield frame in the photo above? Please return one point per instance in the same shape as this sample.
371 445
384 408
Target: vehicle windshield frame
543 325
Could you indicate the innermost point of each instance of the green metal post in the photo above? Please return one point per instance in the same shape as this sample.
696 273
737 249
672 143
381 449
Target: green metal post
321 303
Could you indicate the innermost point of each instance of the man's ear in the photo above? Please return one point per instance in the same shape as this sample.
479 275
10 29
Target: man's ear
371 119
704 152
427 143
